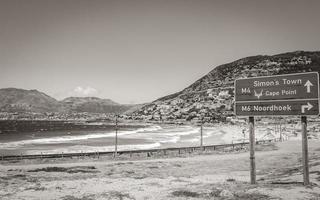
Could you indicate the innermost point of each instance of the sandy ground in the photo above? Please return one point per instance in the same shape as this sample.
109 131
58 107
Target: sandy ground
208 176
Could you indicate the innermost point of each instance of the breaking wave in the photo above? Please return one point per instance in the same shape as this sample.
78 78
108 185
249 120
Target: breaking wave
65 139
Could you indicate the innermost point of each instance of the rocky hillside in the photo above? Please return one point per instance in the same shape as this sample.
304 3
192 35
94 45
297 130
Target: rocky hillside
19 100
212 96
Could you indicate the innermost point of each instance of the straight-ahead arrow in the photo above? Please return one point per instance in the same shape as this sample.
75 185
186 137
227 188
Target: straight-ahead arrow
304 107
308 85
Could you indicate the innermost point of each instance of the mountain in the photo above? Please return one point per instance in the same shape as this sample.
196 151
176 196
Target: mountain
19 100
212 96
93 105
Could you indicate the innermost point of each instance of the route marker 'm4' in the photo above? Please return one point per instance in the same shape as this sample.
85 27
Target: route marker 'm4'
289 94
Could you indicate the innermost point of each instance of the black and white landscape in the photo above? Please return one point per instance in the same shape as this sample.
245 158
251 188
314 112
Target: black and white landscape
136 99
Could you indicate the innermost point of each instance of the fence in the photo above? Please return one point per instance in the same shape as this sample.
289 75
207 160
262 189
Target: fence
147 152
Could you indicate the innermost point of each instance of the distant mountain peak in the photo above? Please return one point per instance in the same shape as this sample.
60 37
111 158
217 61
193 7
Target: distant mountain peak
88 99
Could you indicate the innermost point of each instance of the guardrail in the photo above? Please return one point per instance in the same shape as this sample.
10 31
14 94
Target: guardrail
148 152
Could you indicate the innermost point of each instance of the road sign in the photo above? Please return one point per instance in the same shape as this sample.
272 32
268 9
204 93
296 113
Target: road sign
290 94
263 108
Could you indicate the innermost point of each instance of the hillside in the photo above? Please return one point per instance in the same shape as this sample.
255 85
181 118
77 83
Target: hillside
20 100
93 105
212 96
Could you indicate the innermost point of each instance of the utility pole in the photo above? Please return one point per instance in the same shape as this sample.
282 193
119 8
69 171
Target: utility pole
280 133
201 135
116 139
275 127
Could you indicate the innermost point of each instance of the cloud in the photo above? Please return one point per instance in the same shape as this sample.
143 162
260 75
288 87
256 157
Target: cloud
84 91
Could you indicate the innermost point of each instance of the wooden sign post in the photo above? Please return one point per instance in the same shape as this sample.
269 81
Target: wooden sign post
305 159
252 156
280 95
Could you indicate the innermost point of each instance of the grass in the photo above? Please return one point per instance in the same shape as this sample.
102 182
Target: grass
266 147
140 177
215 192
185 193
225 191
71 170
251 196
116 195
231 180
153 167
87 197
177 165
18 176
36 188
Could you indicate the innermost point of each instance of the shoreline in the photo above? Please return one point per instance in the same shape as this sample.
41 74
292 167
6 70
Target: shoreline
150 137
142 155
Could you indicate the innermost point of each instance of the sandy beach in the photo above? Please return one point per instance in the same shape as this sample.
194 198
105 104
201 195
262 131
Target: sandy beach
208 176
133 138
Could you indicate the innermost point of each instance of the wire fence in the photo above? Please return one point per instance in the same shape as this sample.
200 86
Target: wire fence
142 152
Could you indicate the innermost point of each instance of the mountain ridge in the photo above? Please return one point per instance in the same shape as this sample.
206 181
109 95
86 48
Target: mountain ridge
22 100
212 96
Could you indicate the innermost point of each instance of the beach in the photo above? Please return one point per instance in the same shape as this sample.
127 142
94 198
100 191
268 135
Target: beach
132 137
219 175
210 174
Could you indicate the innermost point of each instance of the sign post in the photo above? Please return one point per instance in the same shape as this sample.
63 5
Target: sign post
252 156
280 95
305 159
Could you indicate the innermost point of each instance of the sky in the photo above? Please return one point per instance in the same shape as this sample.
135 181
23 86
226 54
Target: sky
135 51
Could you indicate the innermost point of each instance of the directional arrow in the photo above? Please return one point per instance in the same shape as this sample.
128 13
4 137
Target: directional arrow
308 85
304 107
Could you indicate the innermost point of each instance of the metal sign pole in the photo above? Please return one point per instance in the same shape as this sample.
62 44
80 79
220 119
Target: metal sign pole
305 159
252 156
